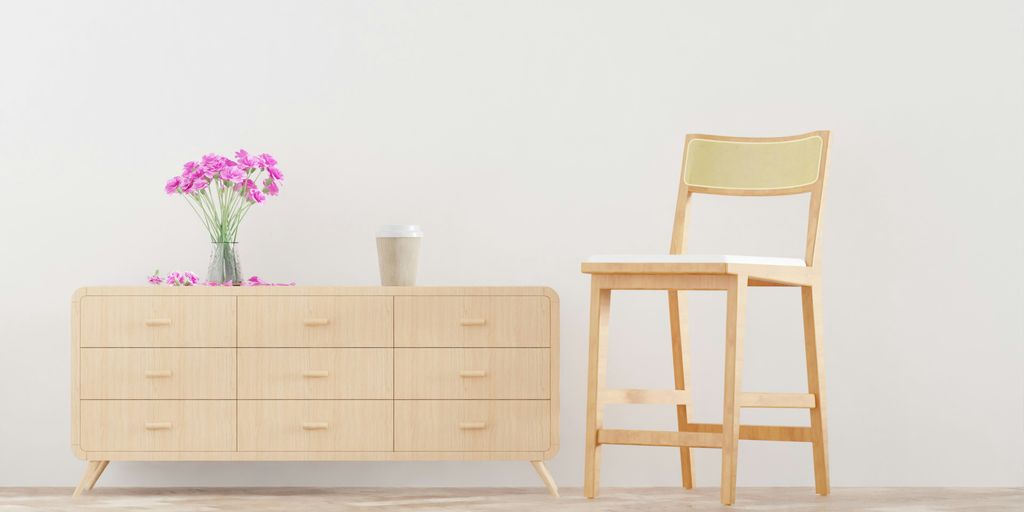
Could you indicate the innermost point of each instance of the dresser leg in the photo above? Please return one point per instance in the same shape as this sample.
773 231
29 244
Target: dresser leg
96 476
542 470
91 474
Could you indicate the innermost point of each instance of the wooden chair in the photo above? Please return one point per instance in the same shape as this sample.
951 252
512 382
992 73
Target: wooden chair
729 166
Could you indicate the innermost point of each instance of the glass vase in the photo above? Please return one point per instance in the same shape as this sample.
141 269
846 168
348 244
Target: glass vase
225 267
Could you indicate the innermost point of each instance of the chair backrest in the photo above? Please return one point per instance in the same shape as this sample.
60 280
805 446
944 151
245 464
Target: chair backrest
749 166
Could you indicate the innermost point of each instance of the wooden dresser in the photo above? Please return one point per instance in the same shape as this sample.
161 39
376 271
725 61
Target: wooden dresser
313 373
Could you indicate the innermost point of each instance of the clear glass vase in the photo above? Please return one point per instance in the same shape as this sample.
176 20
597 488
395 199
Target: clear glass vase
224 264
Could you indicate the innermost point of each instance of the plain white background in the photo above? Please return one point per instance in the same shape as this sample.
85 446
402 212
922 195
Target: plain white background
524 136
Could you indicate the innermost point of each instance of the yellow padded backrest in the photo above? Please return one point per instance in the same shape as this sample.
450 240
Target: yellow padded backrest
738 165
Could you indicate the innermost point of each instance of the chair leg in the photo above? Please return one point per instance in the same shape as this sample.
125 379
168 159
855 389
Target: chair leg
735 315
680 364
600 304
811 296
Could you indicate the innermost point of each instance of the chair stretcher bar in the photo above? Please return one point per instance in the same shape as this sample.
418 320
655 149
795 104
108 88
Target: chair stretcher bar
702 435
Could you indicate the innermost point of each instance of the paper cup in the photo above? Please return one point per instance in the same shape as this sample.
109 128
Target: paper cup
398 251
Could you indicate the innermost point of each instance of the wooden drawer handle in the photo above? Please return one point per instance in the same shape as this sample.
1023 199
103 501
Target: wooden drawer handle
315 374
315 322
472 425
471 322
157 425
314 426
473 373
157 322
152 374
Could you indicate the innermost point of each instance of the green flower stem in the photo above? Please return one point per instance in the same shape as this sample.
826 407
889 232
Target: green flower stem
221 208
202 217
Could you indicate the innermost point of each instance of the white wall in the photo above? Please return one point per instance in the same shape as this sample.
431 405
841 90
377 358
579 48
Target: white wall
525 136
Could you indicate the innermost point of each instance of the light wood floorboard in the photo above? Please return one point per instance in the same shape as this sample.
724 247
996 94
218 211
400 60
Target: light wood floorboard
536 499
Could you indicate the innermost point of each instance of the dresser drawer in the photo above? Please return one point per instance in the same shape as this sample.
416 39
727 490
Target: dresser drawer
323 373
472 425
158 425
316 425
154 373
364 321
472 373
472 321
152 321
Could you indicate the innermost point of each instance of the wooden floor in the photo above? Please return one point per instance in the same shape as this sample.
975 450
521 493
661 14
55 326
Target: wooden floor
511 499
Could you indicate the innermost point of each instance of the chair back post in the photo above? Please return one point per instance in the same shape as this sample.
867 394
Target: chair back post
817 199
753 166
678 244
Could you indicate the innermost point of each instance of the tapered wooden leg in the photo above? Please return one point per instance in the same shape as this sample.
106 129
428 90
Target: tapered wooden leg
600 304
681 366
545 476
735 315
96 476
811 296
92 468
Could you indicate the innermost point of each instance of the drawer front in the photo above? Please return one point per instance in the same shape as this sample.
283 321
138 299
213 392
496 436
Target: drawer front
316 425
472 321
324 373
472 425
155 373
315 321
150 321
158 425
472 373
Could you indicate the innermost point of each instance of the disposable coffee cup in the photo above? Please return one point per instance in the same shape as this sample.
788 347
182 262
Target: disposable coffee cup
398 249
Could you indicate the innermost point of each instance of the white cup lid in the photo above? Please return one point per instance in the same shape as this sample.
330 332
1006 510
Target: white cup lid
400 231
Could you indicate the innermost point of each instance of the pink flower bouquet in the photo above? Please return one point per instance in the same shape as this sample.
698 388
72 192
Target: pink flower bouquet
221 191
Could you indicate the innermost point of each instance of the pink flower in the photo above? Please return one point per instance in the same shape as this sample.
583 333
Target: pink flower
256 281
214 164
271 187
195 185
233 174
276 174
266 160
211 159
155 278
172 185
210 173
189 168
188 278
245 160
245 185
256 196
178 279
173 278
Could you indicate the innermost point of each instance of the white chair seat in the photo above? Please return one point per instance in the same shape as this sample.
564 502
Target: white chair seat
696 258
